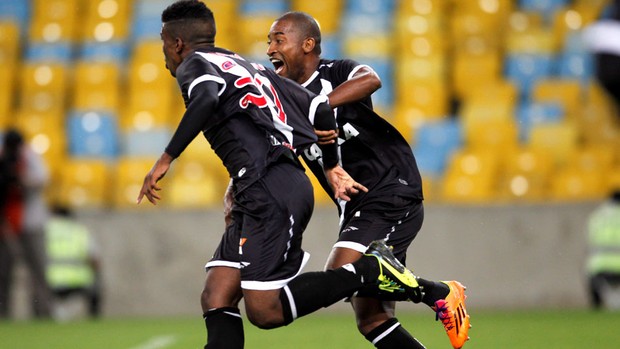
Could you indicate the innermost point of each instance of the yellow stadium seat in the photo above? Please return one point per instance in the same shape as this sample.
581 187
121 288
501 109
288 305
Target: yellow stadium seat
10 46
321 198
226 12
412 70
573 184
200 150
130 172
429 97
327 13
107 20
567 92
471 70
558 139
97 86
539 40
84 183
420 45
45 134
471 177
613 178
54 20
252 39
476 31
7 94
43 87
595 158
369 46
525 175
498 134
522 21
194 184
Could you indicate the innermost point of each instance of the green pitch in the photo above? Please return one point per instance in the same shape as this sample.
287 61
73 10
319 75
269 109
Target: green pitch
491 330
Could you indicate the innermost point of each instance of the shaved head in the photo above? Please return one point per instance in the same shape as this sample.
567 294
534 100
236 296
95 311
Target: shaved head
307 26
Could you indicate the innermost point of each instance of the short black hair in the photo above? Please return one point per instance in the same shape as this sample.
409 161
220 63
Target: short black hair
307 25
190 19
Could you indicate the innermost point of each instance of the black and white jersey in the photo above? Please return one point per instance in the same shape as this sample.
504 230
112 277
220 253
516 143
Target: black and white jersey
371 150
239 110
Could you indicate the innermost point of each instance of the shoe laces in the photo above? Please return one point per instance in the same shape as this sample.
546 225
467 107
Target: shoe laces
442 313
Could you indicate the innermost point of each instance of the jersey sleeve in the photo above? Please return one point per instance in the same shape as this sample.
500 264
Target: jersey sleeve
201 87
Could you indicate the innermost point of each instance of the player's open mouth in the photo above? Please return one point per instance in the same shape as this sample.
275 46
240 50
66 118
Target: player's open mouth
278 65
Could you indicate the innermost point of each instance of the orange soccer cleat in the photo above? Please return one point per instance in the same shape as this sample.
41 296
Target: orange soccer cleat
453 314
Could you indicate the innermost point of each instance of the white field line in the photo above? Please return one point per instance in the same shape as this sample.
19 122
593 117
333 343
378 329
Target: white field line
157 342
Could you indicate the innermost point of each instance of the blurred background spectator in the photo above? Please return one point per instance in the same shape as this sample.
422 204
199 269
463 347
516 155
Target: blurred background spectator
74 264
604 261
23 216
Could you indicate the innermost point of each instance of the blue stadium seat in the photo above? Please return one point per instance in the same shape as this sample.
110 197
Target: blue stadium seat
524 69
146 22
110 51
531 113
92 134
145 143
18 11
60 52
263 7
546 7
435 141
384 97
331 46
576 65
379 8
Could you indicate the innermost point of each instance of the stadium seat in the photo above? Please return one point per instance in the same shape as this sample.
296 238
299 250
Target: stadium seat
17 12
327 13
435 141
574 184
43 87
226 13
97 86
144 143
84 183
471 70
54 21
106 20
262 7
497 134
116 52
93 134
193 184
531 113
7 94
428 97
525 69
525 175
127 181
146 20
559 139
49 52
546 7
10 42
471 177
566 92
45 133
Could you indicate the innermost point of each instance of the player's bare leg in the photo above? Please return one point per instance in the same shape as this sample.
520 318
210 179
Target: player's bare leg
220 299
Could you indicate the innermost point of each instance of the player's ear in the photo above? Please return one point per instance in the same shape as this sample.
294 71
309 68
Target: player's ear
178 45
308 45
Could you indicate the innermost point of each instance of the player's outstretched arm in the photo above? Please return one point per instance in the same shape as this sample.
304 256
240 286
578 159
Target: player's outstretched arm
157 172
343 185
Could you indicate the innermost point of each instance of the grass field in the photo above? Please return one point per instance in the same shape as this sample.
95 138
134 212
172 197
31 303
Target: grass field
491 329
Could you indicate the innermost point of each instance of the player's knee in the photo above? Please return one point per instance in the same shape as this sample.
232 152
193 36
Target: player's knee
265 320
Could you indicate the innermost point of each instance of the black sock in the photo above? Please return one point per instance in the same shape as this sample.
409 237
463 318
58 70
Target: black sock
433 291
390 335
224 329
311 291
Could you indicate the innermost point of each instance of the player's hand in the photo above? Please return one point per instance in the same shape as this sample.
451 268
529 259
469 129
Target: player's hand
149 186
342 184
228 203
326 136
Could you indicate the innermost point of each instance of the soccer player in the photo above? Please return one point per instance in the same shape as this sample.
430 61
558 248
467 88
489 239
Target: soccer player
253 120
374 153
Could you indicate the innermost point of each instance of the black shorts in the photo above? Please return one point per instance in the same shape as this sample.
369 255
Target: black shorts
264 239
395 220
